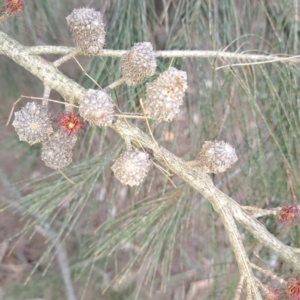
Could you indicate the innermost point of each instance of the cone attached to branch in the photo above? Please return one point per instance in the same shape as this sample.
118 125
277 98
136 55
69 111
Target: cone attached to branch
87 28
97 107
132 167
57 151
165 95
33 123
138 64
216 157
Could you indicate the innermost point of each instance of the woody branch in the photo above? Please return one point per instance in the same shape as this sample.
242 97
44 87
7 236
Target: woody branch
226 207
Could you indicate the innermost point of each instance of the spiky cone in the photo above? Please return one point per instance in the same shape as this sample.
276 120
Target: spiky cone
138 64
33 123
57 151
165 95
216 157
132 167
87 28
97 107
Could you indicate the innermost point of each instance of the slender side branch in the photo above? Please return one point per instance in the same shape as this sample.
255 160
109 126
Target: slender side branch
65 58
239 289
114 85
40 50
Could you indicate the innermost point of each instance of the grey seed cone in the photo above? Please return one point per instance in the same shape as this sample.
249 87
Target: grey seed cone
138 64
132 167
33 123
216 157
87 28
57 151
97 107
165 95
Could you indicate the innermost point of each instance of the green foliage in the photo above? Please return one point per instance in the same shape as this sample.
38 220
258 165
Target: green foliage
156 231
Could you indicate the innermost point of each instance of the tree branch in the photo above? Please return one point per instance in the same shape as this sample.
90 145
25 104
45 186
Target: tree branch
41 50
227 208
41 68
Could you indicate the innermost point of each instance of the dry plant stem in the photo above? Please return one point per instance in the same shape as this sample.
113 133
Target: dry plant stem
65 58
268 273
40 50
255 63
165 173
262 286
114 85
46 230
257 212
49 100
66 177
35 98
239 289
227 208
264 212
129 116
85 73
12 110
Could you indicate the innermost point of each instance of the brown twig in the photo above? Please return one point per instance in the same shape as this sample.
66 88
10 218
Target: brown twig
65 176
35 98
150 131
239 289
114 84
12 110
85 73
267 273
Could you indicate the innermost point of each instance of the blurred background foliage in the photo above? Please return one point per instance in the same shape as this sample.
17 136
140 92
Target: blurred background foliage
154 241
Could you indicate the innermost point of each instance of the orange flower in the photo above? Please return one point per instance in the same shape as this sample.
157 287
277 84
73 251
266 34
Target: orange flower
70 122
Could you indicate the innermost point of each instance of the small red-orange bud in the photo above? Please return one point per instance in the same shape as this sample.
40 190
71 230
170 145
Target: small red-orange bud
287 213
70 122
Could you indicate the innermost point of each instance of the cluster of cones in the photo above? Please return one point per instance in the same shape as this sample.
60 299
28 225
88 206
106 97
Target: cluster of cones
164 96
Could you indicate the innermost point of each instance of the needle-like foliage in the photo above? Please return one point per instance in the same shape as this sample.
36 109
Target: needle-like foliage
162 236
